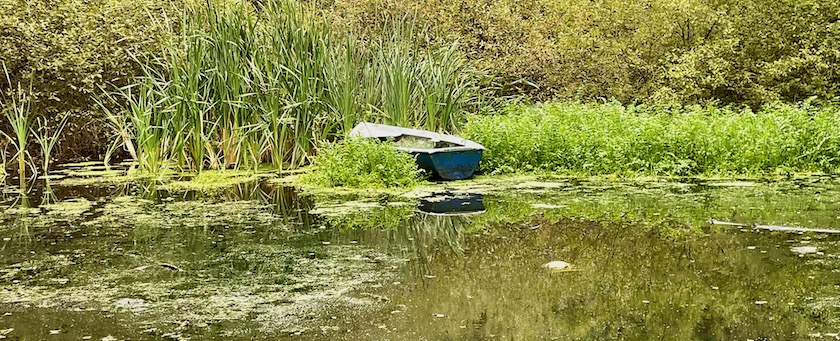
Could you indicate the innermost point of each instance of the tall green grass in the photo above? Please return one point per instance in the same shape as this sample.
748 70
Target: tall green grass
598 139
17 110
47 139
246 85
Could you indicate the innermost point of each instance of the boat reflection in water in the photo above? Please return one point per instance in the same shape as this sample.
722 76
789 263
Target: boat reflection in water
452 204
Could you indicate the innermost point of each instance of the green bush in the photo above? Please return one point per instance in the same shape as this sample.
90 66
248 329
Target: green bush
598 139
364 163
70 49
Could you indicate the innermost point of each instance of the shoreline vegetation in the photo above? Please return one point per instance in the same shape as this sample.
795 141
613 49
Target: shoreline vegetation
220 84
711 141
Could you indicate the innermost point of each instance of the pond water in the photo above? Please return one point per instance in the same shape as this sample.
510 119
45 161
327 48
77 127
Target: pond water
460 261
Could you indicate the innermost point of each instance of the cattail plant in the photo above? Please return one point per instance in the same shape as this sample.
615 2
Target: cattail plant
243 85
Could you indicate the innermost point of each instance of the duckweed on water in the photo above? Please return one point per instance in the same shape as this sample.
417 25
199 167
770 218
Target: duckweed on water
236 260
262 262
215 180
69 207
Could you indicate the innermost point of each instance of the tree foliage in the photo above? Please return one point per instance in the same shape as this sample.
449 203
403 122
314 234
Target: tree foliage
749 51
70 48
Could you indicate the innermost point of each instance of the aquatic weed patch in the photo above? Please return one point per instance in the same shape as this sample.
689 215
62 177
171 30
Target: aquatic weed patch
195 262
210 181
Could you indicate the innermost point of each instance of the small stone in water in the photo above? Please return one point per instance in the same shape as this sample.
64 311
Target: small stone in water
556 265
55 331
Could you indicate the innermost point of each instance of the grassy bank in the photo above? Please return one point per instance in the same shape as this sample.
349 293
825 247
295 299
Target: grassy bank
598 139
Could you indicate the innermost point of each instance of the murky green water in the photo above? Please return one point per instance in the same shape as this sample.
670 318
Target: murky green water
260 261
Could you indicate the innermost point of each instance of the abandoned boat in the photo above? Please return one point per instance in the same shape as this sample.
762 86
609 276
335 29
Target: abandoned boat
445 156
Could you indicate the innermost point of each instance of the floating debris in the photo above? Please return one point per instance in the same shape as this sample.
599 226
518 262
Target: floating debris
547 206
163 265
804 249
772 227
133 304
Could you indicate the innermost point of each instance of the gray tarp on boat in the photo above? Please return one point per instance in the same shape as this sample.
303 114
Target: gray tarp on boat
383 132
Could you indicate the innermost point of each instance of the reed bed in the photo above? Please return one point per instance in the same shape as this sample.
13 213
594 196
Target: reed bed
17 111
603 139
242 86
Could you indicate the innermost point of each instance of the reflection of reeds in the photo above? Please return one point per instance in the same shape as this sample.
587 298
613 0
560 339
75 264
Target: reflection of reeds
48 196
424 234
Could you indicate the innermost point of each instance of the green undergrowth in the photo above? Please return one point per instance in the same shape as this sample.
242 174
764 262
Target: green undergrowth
362 163
709 141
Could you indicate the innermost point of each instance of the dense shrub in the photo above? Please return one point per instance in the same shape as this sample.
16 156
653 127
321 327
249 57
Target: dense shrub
694 140
69 49
750 51
364 163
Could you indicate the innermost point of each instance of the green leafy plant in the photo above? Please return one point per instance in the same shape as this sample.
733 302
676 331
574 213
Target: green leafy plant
598 139
362 163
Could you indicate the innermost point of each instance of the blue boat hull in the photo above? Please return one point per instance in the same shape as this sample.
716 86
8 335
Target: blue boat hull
449 165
